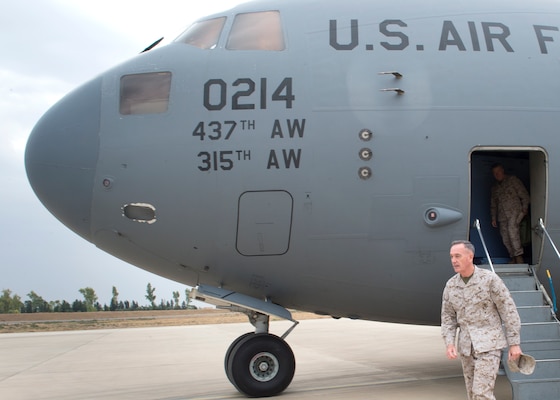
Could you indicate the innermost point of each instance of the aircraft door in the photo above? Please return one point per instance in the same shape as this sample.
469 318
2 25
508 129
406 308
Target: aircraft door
530 166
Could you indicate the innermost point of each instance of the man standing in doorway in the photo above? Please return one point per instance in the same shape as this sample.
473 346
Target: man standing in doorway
509 203
476 302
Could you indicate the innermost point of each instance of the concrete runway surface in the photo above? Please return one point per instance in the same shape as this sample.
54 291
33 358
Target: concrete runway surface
335 359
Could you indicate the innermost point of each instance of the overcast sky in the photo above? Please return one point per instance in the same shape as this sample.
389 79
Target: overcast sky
50 47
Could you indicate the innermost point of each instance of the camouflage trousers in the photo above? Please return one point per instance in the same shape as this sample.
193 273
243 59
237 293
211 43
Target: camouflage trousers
509 230
480 371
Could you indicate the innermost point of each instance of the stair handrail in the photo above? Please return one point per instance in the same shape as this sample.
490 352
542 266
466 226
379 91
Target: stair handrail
541 224
477 226
552 301
542 289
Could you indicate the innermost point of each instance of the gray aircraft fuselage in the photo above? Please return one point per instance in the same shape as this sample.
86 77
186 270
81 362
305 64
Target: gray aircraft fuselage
327 172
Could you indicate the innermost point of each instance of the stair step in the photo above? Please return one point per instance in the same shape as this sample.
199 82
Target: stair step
535 314
544 369
548 349
548 389
516 283
540 331
512 268
531 346
508 268
527 298
543 355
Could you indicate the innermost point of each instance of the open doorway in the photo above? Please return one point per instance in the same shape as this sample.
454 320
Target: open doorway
530 166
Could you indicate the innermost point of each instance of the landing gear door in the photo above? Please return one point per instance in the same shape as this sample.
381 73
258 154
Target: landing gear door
264 223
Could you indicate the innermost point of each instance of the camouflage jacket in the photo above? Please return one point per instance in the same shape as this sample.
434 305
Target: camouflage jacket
509 198
479 308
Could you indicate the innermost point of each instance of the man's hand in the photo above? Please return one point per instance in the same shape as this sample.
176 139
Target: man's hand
452 352
514 352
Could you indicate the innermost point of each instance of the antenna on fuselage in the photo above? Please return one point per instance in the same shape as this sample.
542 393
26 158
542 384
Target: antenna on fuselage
150 47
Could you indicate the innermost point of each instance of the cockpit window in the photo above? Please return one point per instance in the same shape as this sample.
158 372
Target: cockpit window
203 34
145 93
256 31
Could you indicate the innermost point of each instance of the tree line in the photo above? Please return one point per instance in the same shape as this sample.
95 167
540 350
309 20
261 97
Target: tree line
12 303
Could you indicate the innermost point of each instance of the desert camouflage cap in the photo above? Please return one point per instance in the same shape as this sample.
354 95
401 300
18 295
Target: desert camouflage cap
524 364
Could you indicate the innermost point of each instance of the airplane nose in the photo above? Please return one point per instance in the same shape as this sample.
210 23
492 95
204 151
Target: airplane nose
61 156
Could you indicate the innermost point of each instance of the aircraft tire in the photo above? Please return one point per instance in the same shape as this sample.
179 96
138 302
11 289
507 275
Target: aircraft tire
261 365
230 349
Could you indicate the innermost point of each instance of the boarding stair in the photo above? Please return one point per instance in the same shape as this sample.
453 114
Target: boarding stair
540 331
540 335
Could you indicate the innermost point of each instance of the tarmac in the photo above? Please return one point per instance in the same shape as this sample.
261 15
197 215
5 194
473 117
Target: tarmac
335 359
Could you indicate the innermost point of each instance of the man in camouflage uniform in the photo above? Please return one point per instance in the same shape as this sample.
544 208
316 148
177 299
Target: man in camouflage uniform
509 203
477 301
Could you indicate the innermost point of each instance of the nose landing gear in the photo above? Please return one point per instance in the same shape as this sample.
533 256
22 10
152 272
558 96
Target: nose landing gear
258 364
